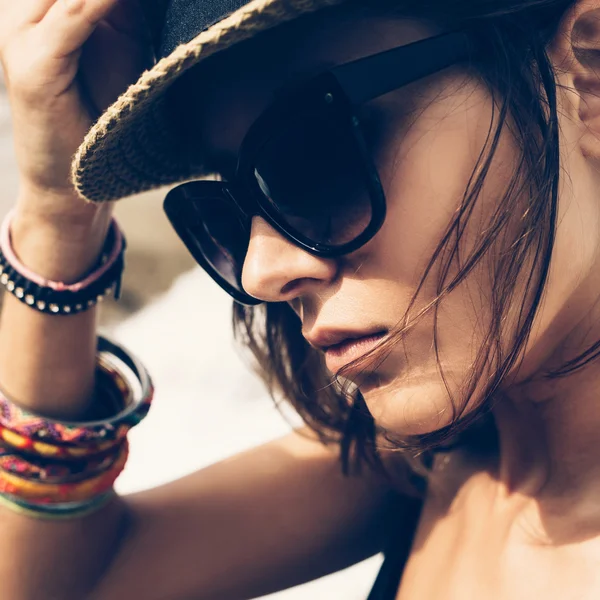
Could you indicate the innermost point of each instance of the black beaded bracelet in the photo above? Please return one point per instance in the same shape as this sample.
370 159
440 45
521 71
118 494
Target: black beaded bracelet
67 302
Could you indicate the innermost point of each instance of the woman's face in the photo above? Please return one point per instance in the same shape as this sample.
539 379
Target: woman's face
428 138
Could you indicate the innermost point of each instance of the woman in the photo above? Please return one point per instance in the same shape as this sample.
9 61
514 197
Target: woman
406 197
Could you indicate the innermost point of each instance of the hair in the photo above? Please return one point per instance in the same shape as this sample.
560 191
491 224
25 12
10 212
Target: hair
512 36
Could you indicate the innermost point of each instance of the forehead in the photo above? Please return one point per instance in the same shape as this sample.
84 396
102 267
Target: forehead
233 89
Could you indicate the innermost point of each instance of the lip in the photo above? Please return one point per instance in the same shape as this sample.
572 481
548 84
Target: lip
344 347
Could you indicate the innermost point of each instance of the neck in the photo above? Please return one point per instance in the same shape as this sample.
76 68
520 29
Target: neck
549 432
549 427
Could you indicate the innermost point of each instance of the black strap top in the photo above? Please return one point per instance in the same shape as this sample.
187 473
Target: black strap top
398 551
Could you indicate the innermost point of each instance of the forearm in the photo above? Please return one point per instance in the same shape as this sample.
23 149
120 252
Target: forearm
47 361
47 364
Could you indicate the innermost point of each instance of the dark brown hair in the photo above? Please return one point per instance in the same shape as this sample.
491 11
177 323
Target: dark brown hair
512 36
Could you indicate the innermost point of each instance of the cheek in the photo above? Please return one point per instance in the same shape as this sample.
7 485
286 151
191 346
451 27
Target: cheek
426 170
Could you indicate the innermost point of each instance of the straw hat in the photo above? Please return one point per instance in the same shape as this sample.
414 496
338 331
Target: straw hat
133 147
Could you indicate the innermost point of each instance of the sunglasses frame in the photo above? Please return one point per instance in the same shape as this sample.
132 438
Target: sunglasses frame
334 94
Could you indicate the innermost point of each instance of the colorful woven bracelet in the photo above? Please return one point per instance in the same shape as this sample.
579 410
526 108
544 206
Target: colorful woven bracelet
51 493
45 470
41 434
27 446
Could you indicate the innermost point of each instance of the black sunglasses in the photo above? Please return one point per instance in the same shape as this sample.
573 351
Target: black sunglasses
304 167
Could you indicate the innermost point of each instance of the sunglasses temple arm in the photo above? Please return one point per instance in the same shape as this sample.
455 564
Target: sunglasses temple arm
368 78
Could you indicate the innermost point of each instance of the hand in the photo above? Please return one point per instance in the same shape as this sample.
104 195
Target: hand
64 60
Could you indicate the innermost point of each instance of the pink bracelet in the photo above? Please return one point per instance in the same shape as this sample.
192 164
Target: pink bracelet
57 286
59 298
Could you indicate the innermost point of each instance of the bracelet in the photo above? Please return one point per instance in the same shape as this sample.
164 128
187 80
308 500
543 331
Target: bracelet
72 472
58 298
36 468
129 378
56 512
50 493
27 446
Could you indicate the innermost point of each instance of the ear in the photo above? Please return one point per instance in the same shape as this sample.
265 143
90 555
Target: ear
575 52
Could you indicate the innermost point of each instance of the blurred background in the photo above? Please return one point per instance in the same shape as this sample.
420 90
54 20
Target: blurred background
208 404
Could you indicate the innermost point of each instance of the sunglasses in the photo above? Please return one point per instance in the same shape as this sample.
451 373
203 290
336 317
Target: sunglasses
305 167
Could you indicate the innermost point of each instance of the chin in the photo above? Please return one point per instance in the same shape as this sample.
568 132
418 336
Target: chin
408 410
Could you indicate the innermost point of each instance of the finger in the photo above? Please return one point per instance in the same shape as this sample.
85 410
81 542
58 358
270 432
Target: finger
37 10
25 12
14 16
69 23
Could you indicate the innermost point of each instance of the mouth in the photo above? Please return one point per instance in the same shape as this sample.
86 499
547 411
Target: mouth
342 348
340 355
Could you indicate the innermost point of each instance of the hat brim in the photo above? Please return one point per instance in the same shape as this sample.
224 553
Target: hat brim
133 147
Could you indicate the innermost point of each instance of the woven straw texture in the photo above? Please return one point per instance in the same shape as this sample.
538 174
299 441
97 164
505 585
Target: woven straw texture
132 147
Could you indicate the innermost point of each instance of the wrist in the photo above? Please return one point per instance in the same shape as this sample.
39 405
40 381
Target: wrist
59 249
63 213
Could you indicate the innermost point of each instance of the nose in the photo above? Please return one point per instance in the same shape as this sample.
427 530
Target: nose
276 270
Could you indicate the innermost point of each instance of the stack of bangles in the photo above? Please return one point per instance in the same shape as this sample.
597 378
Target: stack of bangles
53 469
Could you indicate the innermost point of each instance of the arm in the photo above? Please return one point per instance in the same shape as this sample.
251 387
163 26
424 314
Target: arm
268 519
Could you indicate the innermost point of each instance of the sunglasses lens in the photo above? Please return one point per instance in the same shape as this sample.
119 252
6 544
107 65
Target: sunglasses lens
221 236
313 175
